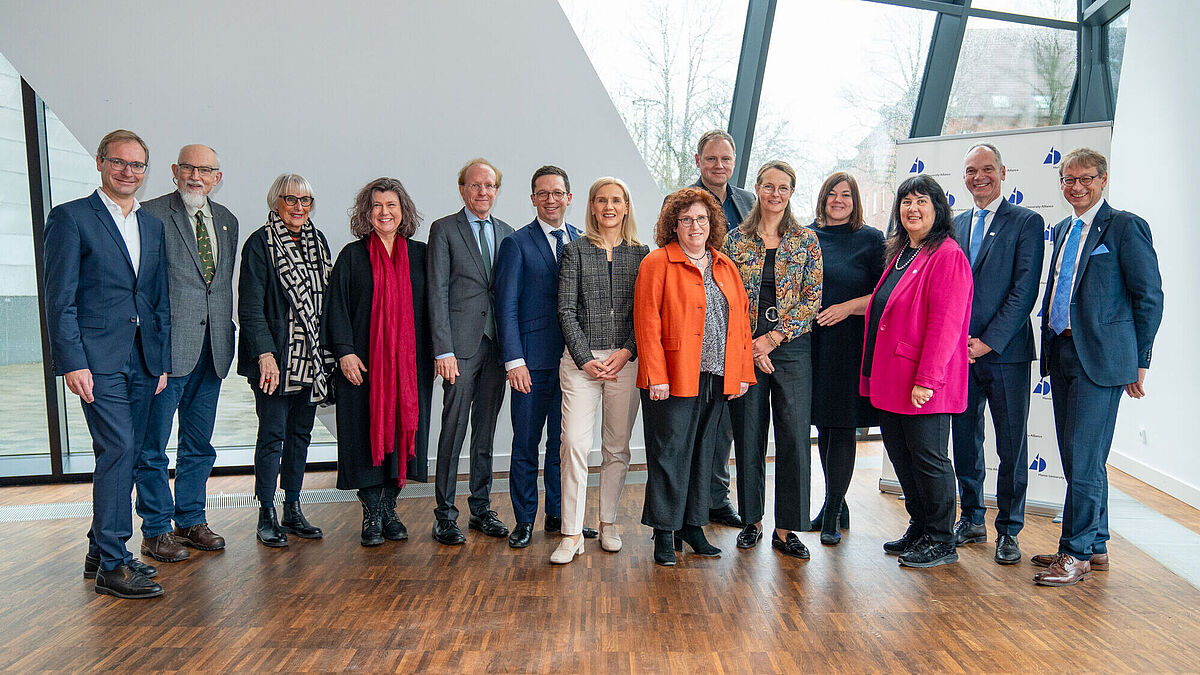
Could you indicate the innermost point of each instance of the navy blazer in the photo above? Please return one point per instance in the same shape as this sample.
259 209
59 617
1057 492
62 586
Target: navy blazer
1118 300
94 302
526 289
1008 274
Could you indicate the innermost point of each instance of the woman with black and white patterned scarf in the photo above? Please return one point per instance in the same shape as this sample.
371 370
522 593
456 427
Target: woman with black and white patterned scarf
281 295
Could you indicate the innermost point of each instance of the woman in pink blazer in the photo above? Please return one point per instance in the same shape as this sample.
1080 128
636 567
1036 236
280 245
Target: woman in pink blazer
915 363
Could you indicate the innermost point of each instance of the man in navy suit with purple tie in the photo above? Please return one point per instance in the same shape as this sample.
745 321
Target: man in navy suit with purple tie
531 345
109 319
1101 311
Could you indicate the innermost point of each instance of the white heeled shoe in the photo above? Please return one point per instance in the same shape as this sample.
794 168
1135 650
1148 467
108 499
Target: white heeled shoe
610 539
566 551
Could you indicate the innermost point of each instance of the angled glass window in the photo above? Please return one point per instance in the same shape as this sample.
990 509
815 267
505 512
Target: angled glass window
1010 76
839 90
1114 37
1065 10
669 68
24 441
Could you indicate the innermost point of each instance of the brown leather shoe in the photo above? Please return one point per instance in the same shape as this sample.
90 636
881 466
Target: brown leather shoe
1099 561
164 548
1066 571
199 536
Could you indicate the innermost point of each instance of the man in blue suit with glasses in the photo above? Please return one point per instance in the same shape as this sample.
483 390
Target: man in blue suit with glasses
109 319
1101 311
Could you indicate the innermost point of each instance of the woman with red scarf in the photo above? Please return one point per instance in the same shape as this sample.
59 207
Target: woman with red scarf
377 326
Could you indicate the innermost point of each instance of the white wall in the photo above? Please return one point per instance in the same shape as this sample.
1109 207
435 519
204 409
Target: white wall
339 92
1153 173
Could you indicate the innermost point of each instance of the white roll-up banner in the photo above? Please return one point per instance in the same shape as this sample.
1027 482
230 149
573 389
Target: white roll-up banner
1031 158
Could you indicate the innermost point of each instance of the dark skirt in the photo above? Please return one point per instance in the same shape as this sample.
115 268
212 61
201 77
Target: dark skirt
837 362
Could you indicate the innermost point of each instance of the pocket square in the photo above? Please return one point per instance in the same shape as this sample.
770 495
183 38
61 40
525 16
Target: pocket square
1101 249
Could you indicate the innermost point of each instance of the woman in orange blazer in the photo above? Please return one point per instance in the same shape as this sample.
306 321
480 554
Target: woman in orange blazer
691 322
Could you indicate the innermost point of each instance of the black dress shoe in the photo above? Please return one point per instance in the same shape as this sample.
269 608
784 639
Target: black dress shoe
726 515
294 521
749 536
790 546
905 542
664 547
91 565
969 533
554 524
521 535
1007 550
447 532
488 523
268 531
928 553
125 582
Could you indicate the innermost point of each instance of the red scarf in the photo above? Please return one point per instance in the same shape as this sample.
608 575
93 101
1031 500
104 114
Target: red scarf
393 366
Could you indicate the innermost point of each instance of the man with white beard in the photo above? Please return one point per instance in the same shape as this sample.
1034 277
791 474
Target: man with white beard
201 244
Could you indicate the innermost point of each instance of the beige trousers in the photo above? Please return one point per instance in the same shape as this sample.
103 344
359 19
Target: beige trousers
581 395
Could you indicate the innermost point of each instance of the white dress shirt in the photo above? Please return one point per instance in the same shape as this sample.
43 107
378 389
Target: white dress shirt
987 220
1087 219
127 225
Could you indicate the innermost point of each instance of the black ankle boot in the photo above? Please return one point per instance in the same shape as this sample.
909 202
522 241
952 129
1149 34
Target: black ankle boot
664 547
393 529
372 525
694 536
829 525
295 522
844 514
268 531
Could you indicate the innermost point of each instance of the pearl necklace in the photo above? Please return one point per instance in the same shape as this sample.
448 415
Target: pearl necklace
914 257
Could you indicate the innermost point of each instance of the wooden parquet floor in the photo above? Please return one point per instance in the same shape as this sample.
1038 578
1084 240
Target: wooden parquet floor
416 606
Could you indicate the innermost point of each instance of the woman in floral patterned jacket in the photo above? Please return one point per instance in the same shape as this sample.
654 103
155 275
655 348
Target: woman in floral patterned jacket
780 264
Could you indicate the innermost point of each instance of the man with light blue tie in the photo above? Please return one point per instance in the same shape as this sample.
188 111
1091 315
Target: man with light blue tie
1004 244
531 346
1101 311
459 262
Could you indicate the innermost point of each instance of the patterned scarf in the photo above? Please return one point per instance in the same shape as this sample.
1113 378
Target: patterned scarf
393 365
303 268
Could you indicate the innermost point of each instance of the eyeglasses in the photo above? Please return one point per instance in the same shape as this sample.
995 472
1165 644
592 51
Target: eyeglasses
688 221
202 170
781 190
120 164
482 187
556 195
1085 181
291 200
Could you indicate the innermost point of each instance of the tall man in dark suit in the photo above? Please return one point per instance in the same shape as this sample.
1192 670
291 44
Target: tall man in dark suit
462 250
531 346
715 157
109 318
1004 244
201 244
1100 313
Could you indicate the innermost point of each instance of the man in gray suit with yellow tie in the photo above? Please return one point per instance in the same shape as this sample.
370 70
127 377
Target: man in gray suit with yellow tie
462 250
201 243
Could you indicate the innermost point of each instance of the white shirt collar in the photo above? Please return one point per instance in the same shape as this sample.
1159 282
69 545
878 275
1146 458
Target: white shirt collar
114 207
1089 215
990 208
547 229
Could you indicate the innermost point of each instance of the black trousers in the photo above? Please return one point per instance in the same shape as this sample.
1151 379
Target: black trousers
476 395
785 395
680 433
918 446
838 447
285 423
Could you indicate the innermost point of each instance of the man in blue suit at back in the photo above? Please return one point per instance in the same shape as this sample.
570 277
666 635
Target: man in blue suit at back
531 345
109 319
1101 310
1004 243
